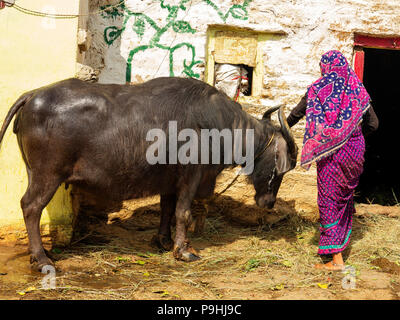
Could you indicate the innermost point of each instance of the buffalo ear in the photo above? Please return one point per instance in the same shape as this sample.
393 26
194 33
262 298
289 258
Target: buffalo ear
283 161
267 114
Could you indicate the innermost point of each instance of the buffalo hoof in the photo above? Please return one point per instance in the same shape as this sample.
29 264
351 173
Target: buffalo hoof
189 257
187 254
162 242
37 263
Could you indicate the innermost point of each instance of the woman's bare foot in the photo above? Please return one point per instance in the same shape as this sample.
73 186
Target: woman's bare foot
336 264
330 266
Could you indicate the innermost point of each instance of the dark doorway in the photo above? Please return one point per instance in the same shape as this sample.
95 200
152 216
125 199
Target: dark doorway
247 91
380 181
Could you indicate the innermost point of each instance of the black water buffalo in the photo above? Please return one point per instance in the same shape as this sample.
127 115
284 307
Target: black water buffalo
93 136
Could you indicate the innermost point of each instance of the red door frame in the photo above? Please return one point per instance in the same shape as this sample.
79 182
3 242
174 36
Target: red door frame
361 41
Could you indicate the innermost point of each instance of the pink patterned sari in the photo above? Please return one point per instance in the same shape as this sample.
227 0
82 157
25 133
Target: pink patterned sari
333 138
335 106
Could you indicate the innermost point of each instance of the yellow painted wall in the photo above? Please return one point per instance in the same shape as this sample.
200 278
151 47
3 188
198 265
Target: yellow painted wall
34 51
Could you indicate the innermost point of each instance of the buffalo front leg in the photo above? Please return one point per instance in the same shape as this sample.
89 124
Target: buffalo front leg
182 249
163 238
35 199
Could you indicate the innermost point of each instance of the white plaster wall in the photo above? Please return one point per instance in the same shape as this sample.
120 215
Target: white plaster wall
291 64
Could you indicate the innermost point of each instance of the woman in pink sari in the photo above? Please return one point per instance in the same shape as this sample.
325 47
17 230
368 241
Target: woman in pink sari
338 115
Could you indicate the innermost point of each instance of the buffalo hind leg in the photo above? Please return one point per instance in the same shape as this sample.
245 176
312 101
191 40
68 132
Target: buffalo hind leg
182 249
35 199
163 238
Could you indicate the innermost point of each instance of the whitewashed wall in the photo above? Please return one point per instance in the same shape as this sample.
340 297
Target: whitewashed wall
154 36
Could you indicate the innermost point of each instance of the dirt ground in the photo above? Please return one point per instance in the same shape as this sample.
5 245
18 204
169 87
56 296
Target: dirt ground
247 253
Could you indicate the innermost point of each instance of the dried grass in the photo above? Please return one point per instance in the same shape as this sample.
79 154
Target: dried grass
264 262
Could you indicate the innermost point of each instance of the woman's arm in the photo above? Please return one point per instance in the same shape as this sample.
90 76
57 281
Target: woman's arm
370 122
298 112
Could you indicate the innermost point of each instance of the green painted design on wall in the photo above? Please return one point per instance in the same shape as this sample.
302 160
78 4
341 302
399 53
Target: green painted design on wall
112 11
237 11
143 21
